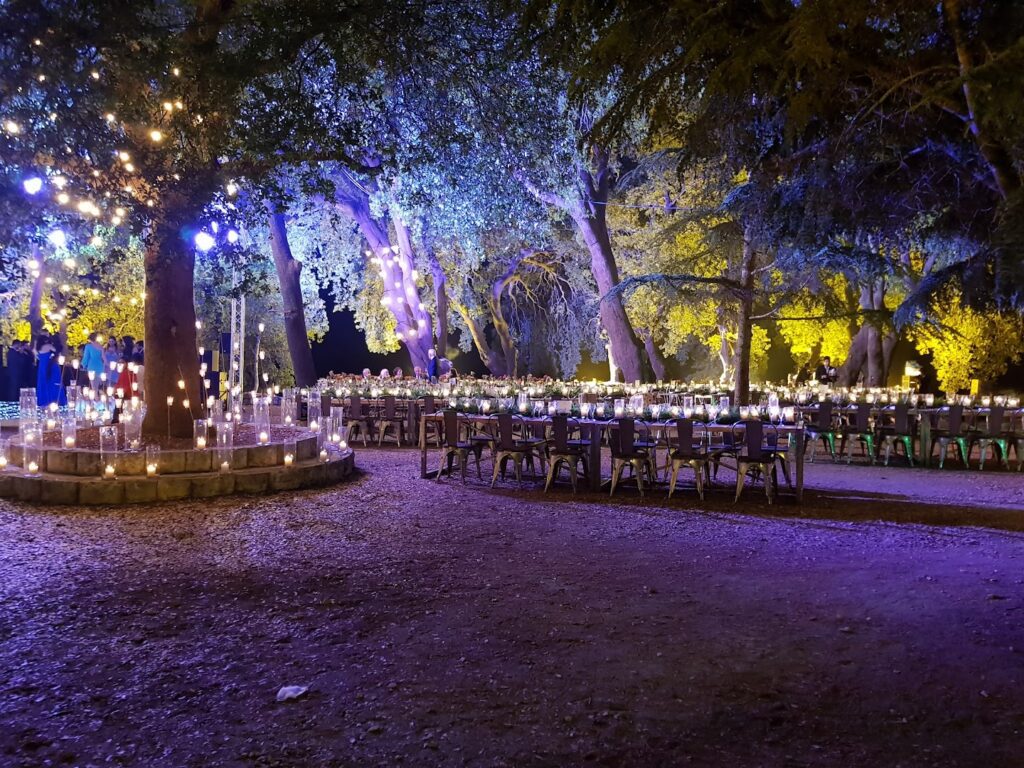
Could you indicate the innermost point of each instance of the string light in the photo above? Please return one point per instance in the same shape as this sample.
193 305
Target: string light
156 136
12 127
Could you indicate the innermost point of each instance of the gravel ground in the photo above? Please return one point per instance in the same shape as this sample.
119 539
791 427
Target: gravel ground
880 624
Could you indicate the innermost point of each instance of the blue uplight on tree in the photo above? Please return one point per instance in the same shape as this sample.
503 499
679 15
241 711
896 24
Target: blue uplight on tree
32 185
204 241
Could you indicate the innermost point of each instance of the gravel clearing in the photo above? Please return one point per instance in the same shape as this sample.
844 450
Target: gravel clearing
442 624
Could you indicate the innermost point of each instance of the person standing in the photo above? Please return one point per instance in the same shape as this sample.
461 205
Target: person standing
92 359
825 373
48 389
432 366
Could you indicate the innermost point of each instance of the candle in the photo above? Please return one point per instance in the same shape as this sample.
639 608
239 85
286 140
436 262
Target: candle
69 442
224 466
108 471
343 444
151 469
3 462
264 438
200 443
33 467
288 459
323 454
314 426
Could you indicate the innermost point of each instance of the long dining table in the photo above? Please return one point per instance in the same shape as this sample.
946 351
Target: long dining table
593 430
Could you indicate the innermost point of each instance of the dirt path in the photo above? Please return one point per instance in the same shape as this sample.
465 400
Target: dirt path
451 625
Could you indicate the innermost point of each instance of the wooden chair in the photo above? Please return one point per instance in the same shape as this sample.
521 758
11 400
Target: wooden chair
453 447
628 451
390 419
563 451
515 445
434 429
357 420
758 455
688 453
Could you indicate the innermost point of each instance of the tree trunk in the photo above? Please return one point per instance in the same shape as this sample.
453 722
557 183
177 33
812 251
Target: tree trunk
288 273
171 354
501 330
724 350
741 353
412 323
621 337
441 301
491 358
850 370
36 322
654 355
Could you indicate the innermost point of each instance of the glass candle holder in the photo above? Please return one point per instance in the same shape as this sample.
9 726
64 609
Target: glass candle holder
108 452
222 459
199 434
4 454
289 452
152 460
225 434
68 433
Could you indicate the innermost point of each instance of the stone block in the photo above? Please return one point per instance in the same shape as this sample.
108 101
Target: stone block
93 492
251 482
305 449
6 486
287 479
172 462
264 456
61 462
207 486
173 488
53 491
131 464
140 491
198 461
27 488
239 458
87 463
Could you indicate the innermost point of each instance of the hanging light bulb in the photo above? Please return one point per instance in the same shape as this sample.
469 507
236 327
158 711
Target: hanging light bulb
32 185
156 136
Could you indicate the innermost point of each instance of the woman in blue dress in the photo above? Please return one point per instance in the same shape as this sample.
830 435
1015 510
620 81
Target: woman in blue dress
48 374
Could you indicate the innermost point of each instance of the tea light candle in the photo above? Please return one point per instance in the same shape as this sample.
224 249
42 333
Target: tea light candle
69 442
224 466
343 444
323 454
150 469
51 423
264 438
288 459
314 426
3 462
108 471
33 467
200 443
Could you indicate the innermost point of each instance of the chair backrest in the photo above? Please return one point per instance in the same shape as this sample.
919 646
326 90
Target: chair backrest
428 404
355 407
560 432
862 418
451 427
823 420
994 425
623 436
506 438
684 437
901 418
955 419
389 407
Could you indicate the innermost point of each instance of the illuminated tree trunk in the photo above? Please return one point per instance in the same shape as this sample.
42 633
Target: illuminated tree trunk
491 357
412 321
441 302
171 354
654 355
288 274
501 330
744 326
35 302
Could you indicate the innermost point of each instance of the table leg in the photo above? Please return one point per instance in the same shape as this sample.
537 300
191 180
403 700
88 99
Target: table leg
924 440
801 444
423 445
412 421
594 460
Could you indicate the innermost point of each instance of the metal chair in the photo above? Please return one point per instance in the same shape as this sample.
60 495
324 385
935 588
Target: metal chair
516 447
563 451
688 453
993 436
858 429
951 435
358 419
758 455
390 419
822 428
627 451
1016 438
453 447
434 429
895 430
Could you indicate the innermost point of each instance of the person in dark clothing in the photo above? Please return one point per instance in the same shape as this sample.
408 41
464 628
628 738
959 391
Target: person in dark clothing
433 370
825 373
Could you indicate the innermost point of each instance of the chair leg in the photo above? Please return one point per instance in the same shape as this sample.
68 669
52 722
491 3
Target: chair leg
497 465
769 481
814 446
552 468
617 467
572 474
463 462
698 479
741 476
672 479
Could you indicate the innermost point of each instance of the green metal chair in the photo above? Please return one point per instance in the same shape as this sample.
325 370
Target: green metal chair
951 435
822 428
894 430
993 436
858 429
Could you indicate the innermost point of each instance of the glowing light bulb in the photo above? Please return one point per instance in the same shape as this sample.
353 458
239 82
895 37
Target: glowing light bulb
204 241
57 238
12 127
232 188
232 236
156 136
32 185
